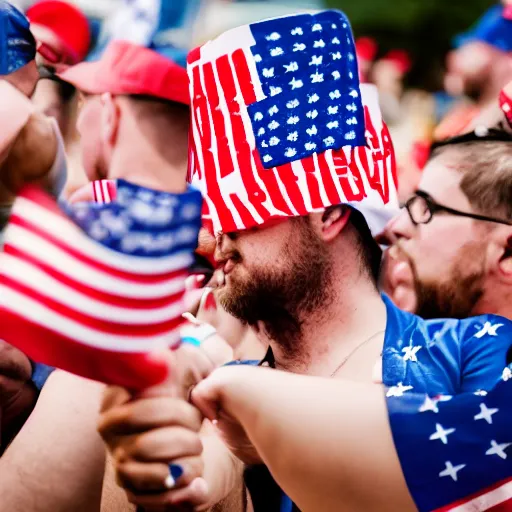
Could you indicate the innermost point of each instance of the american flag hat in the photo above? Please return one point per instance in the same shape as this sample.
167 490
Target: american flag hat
282 127
96 288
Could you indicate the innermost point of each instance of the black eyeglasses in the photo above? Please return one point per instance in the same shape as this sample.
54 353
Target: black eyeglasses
422 208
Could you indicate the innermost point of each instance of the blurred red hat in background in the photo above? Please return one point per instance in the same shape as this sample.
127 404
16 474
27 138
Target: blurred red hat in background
68 23
366 48
400 58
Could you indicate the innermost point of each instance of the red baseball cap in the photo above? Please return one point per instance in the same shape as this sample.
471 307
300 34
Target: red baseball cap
67 22
126 68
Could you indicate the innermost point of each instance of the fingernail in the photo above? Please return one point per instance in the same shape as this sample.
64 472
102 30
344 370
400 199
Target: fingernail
176 471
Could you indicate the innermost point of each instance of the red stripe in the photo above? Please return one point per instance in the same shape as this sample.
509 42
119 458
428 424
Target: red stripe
487 490
342 169
244 213
212 185
105 326
255 193
94 185
308 165
327 180
94 293
95 264
194 55
133 371
223 153
292 187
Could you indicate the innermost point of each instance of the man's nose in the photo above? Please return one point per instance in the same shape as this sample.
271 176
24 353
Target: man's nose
224 246
398 227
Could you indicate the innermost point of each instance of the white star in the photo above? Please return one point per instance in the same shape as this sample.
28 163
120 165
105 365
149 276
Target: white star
267 158
316 60
293 103
314 98
274 141
336 56
296 84
297 31
336 41
410 353
268 72
329 141
312 131
351 121
398 390
310 146
317 77
290 153
354 94
335 94
451 470
312 114
429 405
257 58
273 110
293 120
273 37
489 329
333 124
273 125
507 374
441 434
258 116
481 392
261 132
336 75
352 108
485 414
350 55
274 91
293 66
276 52
292 137
332 110
319 44
317 27
498 449
299 47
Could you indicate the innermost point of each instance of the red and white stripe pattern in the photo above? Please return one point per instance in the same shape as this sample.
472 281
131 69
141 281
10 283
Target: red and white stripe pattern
225 163
497 498
70 302
104 191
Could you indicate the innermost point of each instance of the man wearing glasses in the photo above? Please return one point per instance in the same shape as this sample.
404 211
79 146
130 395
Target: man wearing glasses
451 253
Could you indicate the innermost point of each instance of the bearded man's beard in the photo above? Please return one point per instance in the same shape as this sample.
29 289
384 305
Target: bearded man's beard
457 296
281 298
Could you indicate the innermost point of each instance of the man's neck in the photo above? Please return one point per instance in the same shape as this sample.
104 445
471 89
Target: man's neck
331 334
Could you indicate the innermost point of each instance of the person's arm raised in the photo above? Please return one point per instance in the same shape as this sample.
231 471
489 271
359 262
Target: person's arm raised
327 443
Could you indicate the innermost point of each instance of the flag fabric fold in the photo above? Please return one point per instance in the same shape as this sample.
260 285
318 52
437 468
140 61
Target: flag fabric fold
96 288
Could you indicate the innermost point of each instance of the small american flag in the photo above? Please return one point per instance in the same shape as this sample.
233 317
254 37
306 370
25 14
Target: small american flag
281 126
104 191
456 452
95 290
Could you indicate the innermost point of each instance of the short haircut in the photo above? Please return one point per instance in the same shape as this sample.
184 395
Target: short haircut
486 165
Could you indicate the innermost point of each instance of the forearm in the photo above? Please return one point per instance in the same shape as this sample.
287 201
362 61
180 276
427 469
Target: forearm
57 461
322 440
222 471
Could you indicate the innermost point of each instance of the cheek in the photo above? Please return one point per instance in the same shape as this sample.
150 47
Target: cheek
90 140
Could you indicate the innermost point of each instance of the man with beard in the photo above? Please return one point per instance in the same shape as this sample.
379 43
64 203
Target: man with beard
288 175
451 253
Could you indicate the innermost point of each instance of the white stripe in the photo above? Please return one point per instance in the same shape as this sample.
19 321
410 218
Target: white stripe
215 154
35 279
284 192
487 500
334 174
68 265
106 195
233 183
300 173
323 193
98 192
45 317
70 235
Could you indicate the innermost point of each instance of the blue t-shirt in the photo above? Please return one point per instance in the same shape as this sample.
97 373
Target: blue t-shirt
434 357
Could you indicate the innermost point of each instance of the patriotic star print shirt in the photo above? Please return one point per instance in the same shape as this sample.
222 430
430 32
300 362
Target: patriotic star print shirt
437 359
